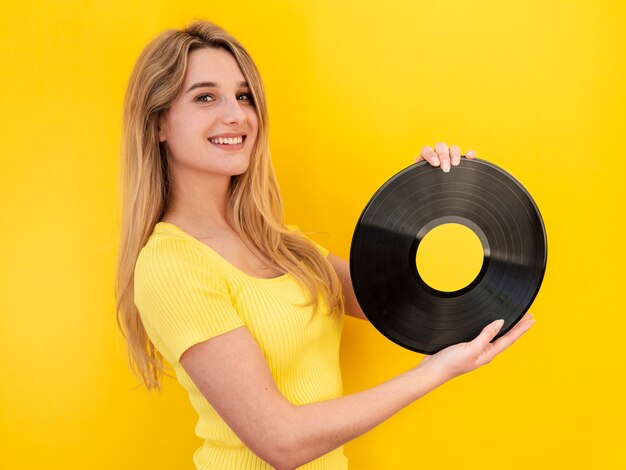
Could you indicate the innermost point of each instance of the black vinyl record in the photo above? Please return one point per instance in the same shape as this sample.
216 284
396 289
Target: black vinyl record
476 194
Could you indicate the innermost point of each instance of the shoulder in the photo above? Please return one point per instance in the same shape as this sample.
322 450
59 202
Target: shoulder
165 251
182 299
174 261
306 235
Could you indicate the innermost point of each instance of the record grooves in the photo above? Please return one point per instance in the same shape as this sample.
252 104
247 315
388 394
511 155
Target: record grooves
476 194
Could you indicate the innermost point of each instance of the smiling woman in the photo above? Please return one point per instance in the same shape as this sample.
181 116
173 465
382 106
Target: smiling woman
247 310
192 194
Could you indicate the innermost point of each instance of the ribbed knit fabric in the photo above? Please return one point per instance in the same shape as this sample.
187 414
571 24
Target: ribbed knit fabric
187 293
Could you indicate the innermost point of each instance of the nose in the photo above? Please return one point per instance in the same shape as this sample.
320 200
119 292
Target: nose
233 112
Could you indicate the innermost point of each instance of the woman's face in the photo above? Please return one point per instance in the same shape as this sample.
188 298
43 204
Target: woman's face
212 126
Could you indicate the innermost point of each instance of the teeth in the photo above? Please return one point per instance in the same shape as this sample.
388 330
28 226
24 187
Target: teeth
228 141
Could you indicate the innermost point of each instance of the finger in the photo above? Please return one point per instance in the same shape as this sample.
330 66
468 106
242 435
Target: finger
444 155
520 324
455 155
427 153
488 333
470 154
508 339
527 316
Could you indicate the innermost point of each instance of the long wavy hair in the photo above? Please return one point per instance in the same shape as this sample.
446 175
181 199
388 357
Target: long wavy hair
155 82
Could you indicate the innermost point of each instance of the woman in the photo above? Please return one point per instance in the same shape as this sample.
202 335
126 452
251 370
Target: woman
247 311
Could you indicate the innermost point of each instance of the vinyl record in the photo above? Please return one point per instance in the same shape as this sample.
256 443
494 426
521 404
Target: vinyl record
482 197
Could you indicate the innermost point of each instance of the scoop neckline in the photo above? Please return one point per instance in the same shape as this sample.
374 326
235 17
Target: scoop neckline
216 255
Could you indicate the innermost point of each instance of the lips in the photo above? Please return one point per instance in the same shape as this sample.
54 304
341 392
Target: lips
228 139
228 143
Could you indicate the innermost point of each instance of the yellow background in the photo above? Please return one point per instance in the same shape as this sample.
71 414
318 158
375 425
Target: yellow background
355 88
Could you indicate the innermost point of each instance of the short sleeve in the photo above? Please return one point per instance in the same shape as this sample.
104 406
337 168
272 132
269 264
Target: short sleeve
180 298
322 249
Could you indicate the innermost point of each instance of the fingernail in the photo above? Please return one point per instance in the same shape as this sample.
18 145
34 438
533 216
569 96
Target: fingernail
445 166
435 161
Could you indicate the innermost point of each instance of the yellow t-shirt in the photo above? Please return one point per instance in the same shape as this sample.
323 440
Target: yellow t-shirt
187 293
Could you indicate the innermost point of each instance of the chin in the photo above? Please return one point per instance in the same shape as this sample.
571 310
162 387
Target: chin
239 169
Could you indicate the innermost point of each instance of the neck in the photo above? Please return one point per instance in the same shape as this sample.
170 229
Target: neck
198 201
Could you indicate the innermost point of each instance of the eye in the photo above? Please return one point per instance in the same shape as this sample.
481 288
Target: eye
204 98
245 97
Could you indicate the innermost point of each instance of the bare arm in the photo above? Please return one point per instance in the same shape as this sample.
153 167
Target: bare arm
342 268
231 372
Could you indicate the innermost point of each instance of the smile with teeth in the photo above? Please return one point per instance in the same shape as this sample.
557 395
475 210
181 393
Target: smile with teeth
227 140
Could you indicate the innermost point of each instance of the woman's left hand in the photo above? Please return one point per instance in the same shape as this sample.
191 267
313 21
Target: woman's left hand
443 156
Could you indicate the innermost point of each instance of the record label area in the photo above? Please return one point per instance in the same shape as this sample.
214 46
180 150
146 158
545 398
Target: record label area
449 257
412 307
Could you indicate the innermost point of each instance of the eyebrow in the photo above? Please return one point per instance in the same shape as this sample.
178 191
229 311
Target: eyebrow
212 85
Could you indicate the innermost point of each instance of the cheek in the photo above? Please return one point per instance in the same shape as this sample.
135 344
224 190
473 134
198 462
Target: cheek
254 121
182 145
184 133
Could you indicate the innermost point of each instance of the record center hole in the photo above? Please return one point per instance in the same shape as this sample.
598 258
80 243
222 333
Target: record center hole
449 257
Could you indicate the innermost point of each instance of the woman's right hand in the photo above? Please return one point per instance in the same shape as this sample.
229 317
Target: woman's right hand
460 358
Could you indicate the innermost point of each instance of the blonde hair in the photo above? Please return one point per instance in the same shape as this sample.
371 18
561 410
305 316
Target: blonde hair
155 82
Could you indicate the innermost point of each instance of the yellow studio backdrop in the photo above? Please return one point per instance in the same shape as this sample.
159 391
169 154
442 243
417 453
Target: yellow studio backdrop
355 89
